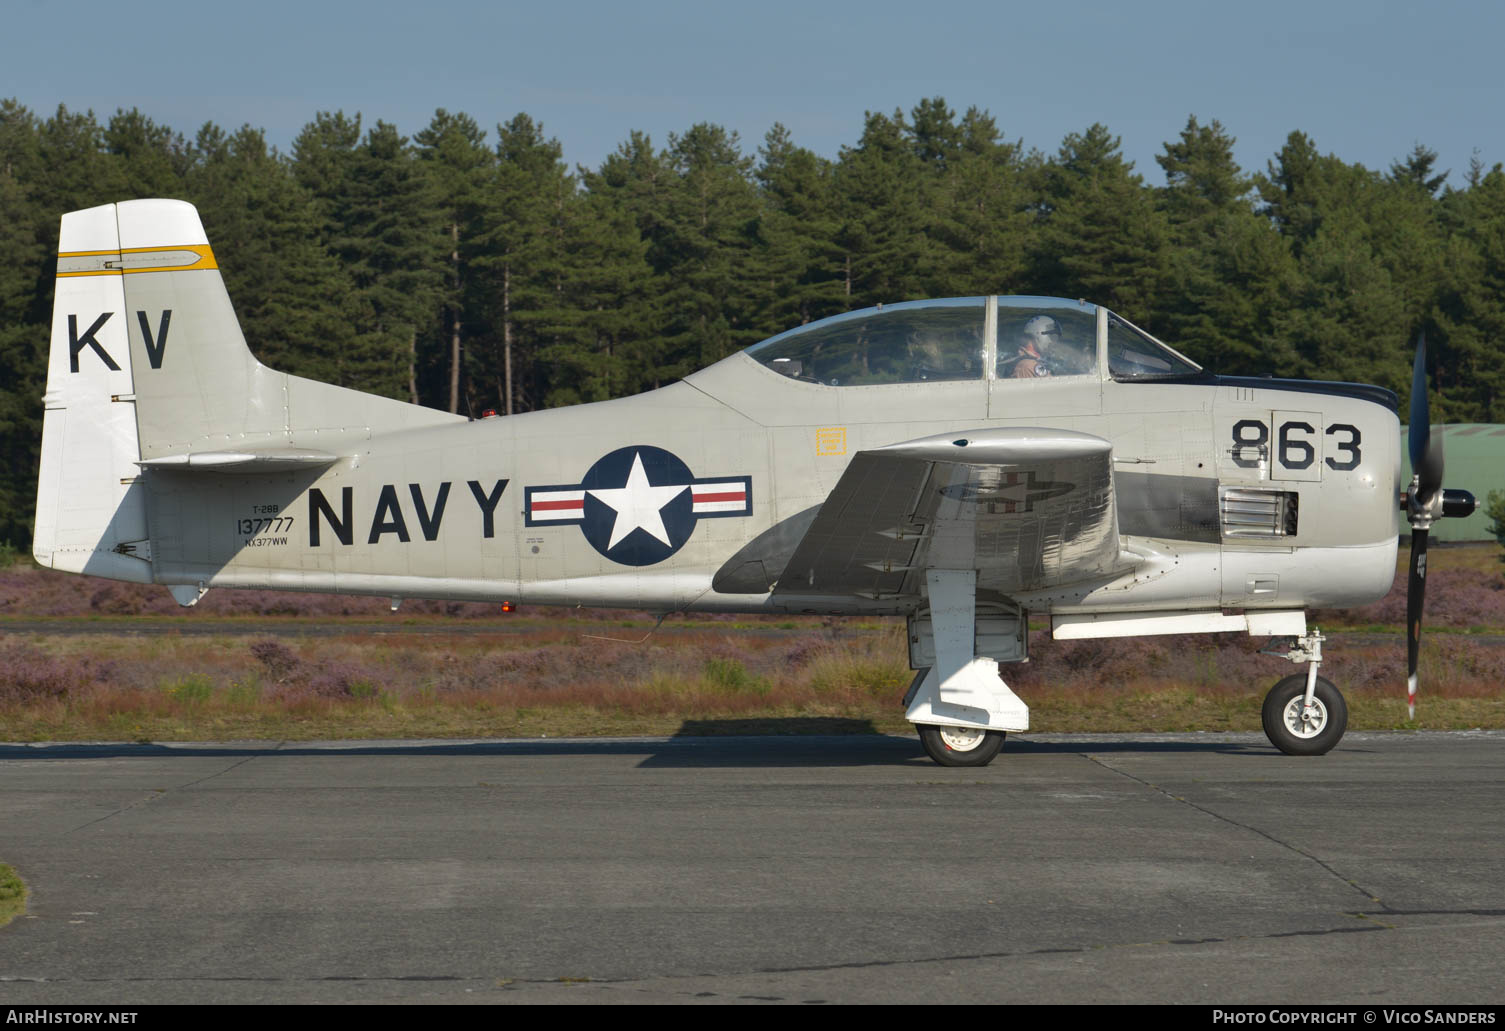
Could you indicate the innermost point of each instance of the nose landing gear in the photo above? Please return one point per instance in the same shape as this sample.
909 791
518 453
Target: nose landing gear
1304 714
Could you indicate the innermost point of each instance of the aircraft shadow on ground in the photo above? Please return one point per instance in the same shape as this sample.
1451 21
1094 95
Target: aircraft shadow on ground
793 742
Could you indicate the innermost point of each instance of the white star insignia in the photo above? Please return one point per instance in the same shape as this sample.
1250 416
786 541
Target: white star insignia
638 505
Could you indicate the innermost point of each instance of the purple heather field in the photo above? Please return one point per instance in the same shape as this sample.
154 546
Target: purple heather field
543 659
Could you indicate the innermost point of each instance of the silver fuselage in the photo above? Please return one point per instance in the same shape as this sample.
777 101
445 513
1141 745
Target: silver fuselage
1178 447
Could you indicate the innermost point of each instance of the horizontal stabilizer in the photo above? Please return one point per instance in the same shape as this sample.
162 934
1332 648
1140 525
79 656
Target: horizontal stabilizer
245 460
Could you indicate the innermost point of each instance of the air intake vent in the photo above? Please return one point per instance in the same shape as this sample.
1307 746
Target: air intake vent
1258 513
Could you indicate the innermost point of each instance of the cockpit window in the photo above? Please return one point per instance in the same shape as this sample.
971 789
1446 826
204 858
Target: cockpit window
913 342
1135 355
1040 337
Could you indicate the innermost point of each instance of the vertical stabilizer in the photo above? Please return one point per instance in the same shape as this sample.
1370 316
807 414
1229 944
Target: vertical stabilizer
198 386
149 370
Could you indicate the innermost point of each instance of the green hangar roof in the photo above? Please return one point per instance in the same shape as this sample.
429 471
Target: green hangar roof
1475 455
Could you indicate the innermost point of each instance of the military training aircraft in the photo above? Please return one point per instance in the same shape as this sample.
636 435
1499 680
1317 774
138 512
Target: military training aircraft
965 463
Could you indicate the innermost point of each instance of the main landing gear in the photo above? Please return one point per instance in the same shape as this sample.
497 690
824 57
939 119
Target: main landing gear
957 701
961 746
1304 714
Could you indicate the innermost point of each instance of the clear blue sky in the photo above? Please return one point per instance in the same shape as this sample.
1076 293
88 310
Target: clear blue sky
1366 80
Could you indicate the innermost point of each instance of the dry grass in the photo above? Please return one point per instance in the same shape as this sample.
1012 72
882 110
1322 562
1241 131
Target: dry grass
520 685
545 677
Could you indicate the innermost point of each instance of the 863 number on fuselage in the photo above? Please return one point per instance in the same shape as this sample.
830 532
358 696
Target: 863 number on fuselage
1296 447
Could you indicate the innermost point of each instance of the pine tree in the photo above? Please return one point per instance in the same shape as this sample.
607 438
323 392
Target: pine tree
460 168
1416 171
610 346
982 220
151 160
1230 272
883 213
394 255
798 278
1101 236
78 171
291 296
637 180
704 249
528 209
23 319
1370 264
1464 352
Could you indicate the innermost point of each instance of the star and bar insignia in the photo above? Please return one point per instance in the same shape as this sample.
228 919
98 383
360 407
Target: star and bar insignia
638 505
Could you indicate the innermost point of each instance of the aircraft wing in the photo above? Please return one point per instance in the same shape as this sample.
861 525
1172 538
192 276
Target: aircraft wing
1027 508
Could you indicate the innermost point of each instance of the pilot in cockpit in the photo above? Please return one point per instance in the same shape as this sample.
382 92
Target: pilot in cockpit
936 356
1042 352
1041 334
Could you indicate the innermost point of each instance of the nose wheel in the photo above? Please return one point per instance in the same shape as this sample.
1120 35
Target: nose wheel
961 746
1298 728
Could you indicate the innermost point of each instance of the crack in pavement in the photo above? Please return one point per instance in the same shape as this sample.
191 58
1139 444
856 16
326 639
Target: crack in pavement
159 793
1369 924
1348 881
811 968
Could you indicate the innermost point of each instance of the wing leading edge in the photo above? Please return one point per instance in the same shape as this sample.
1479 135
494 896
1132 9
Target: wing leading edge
1026 508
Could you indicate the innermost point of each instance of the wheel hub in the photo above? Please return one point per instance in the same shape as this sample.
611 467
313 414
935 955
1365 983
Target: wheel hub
962 739
1305 721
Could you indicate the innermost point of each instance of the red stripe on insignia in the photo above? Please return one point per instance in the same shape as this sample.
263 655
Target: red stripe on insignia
555 506
735 495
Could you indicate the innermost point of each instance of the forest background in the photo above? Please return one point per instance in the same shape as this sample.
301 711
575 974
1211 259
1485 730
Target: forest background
470 270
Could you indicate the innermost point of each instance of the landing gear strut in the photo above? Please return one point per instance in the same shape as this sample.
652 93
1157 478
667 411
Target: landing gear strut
1304 714
957 701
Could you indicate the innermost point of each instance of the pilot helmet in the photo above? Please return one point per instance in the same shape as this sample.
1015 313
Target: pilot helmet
1044 330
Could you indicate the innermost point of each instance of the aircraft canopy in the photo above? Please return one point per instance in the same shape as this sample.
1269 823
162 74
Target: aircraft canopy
937 340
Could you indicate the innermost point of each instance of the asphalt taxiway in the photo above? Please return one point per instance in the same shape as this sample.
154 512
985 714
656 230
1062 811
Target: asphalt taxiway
1077 868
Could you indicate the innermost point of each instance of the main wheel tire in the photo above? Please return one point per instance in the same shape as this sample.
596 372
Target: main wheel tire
1295 732
961 746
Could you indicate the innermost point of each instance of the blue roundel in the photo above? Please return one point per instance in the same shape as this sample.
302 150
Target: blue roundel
639 508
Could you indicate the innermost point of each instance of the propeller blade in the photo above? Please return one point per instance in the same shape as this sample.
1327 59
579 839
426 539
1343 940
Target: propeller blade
1421 421
1416 590
1425 443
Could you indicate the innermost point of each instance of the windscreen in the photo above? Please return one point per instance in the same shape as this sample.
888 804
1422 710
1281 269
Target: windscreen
1134 355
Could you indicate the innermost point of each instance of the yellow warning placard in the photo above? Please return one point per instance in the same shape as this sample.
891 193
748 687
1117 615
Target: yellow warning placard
831 440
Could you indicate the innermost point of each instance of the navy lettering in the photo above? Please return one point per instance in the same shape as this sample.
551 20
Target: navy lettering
488 505
430 524
393 523
317 506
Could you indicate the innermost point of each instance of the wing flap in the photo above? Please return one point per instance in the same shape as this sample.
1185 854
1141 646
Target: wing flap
1027 508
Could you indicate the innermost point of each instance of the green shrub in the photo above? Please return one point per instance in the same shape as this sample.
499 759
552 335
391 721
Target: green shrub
1494 507
731 675
193 689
